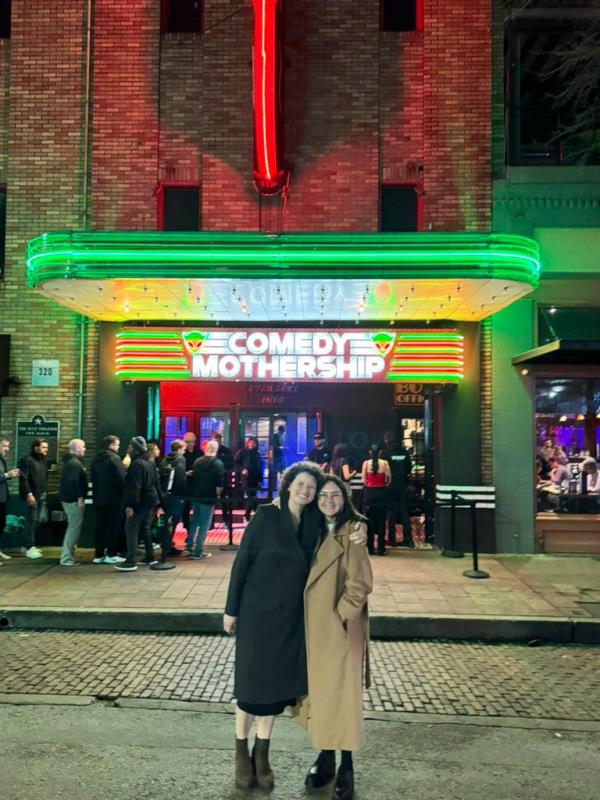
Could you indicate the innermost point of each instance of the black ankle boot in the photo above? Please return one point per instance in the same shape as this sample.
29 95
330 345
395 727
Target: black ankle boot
322 771
343 788
244 772
262 768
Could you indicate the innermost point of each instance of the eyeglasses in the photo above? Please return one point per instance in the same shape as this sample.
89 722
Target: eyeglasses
330 495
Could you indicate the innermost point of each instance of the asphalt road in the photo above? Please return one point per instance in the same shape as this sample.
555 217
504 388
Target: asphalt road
101 752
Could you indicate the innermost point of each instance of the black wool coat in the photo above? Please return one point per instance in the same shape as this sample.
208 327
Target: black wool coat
265 593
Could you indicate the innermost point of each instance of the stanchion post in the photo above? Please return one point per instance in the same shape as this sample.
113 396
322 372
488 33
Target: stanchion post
452 552
228 519
475 572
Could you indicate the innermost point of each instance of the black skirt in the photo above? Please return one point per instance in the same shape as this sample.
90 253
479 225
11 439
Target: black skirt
266 709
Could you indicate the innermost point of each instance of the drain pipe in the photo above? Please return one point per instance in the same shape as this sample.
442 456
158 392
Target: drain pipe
85 204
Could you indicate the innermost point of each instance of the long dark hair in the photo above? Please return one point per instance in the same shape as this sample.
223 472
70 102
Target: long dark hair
347 512
297 469
374 452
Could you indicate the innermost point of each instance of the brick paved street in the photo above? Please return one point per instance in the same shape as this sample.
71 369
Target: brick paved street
424 677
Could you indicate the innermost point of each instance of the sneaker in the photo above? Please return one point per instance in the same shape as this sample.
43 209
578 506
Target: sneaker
5 556
114 560
100 560
70 563
148 562
202 556
32 552
126 566
155 546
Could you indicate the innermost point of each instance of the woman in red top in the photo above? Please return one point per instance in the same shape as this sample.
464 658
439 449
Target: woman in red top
376 477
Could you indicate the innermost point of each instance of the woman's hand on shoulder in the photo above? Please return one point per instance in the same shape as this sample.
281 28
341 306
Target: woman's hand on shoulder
358 533
229 624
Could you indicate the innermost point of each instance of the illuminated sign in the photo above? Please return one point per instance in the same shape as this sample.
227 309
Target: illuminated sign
374 356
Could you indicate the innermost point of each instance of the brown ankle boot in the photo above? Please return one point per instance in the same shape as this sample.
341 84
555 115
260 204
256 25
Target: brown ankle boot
244 772
260 758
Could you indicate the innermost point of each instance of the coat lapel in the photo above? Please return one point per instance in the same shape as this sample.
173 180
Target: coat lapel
327 554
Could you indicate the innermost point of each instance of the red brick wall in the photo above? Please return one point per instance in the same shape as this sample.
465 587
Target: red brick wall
44 147
360 107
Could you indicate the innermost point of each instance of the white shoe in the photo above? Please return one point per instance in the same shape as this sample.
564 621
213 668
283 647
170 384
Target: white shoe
155 546
5 556
100 560
33 552
114 560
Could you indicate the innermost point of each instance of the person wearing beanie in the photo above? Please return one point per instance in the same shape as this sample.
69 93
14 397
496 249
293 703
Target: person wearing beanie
142 496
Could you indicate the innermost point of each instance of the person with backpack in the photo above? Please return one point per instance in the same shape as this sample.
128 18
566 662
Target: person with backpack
173 482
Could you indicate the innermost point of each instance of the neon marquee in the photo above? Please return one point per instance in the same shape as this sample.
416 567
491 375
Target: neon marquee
346 356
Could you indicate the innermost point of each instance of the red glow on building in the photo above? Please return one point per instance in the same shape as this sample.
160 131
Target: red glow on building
268 173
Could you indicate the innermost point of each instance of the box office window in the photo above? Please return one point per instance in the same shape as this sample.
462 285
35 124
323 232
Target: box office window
560 322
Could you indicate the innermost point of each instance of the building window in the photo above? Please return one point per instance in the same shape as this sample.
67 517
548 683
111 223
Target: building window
552 89
179 207
181 16
400 208
5 19
401 15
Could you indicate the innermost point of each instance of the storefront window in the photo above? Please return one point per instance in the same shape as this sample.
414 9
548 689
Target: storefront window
558 322
568 445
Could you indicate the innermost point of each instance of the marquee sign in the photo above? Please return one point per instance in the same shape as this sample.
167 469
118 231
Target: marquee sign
320 355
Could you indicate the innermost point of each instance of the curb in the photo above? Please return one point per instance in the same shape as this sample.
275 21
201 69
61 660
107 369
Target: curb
391 627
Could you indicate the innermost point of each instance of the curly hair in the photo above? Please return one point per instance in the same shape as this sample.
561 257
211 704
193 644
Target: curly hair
297 469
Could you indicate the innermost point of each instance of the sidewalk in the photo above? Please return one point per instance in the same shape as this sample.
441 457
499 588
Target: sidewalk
416 594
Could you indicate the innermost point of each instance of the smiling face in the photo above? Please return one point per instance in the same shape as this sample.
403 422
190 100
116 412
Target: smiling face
302 489
331 499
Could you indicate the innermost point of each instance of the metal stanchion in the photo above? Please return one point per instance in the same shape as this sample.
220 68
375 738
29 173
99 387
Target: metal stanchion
452 552
230 546
475 572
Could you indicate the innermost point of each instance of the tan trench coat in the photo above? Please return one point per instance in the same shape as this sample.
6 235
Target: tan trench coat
337 636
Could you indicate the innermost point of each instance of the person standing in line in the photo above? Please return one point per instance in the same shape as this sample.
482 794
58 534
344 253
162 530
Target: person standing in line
173 482
337 637
320 453
208 477
108 484
400 468
276 457
142 496
225 456
33 485
5 476
251 473
341 464
191 455
72 493
376 478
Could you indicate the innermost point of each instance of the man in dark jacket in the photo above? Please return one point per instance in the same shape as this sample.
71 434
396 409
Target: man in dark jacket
108 484
5 475
71 493
207 485
173 482
225 456
250 464
142 496
33 483
400 466
191 455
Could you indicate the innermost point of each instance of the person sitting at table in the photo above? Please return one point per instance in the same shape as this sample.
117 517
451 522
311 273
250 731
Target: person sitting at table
590 476
559 471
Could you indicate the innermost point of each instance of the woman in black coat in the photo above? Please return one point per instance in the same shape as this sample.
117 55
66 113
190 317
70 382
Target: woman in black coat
265 609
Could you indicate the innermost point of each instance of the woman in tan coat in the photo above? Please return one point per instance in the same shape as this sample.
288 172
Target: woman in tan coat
337 634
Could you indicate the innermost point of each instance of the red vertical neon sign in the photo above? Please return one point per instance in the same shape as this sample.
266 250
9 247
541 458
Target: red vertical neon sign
268 174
